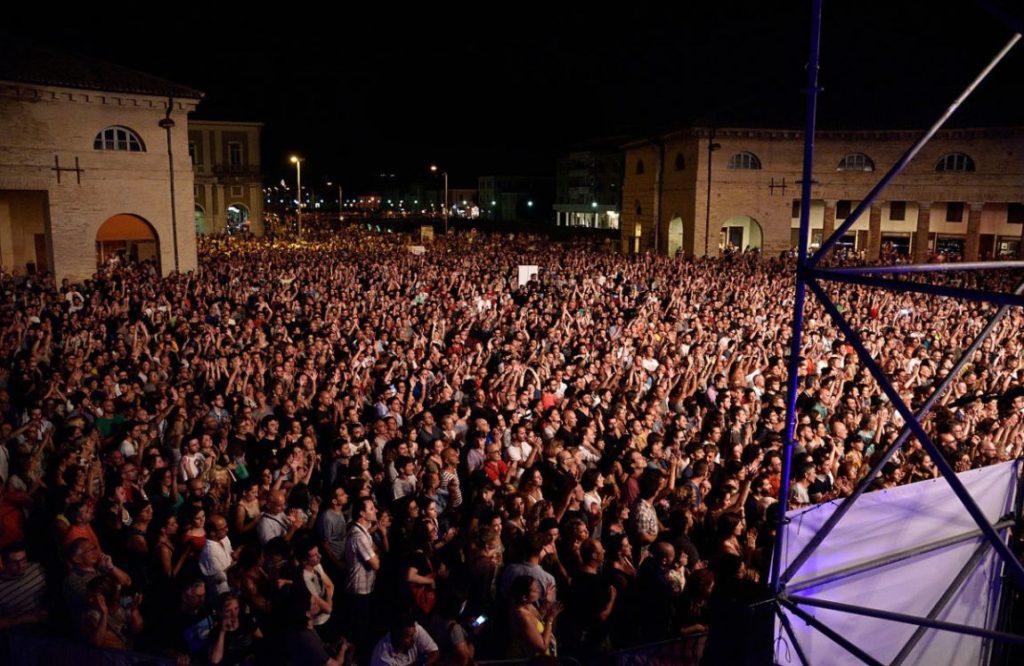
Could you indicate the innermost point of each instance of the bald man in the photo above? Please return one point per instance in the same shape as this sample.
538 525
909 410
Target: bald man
217 556
275 522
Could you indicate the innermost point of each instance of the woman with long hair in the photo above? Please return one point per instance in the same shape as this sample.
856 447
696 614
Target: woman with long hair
246 512
162 491
531 632
419 570
135 548
531 487
167 562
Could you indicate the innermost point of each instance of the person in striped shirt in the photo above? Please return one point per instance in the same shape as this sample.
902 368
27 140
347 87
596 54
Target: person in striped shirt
22 588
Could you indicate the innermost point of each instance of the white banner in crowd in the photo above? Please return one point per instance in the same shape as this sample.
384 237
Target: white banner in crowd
525 273
882 524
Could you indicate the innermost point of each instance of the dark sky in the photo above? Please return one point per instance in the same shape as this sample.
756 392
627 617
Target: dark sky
508 87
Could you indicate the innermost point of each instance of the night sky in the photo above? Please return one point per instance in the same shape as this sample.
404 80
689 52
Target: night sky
508 88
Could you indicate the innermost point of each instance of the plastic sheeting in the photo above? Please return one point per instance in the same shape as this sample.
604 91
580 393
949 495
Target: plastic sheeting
884 523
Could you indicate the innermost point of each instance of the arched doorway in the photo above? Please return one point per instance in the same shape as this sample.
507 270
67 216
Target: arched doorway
741 233
238 218
200 220
127 238
638 233
675 236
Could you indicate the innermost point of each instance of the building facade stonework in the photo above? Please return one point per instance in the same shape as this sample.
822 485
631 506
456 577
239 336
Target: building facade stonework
228 176
86 174
700 191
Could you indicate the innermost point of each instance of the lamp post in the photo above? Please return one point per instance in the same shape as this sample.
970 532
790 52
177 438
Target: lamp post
434 169
297 161
341 212
712 147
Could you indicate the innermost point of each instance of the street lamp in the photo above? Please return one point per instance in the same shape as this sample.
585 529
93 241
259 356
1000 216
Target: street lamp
434 169
340 201
297 161
712 147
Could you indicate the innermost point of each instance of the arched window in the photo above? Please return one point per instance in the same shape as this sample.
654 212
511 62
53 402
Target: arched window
856 162
744 160
118 138
639 167
680 162
955 162
638 208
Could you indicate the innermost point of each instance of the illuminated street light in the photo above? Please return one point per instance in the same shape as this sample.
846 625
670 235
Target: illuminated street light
434 169
297 161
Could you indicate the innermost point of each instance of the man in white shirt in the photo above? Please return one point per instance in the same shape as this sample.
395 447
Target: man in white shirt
519 448
361 566
317 582
275 522
129 448
405 483
407 643
193 463
217 556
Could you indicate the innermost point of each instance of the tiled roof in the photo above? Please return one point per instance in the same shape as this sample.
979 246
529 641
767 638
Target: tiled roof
22 61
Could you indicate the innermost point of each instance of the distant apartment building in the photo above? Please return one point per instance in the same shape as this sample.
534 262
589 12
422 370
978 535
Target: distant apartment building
514 198
588 188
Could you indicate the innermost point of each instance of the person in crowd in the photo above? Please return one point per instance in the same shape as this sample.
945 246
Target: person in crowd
406 643
22 588
531 632
217 556
236 636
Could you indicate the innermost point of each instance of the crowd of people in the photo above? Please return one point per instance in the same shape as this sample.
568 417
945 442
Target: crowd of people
337 451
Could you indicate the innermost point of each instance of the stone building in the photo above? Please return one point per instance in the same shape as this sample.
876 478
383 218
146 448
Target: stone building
700 190
93 162
228 178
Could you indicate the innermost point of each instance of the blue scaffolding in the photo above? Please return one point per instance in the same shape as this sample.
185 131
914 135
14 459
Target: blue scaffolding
810 275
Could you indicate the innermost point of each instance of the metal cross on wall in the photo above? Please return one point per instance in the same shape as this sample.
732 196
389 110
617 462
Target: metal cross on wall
58 168
772 186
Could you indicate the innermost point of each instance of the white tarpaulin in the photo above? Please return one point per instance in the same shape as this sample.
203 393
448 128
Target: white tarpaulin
882 524
525 273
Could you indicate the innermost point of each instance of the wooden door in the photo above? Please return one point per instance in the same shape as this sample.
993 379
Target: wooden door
42 256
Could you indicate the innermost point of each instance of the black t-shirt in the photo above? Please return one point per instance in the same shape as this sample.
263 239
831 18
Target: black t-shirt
821 485
306 649
588 595
239 644
184 633
260 453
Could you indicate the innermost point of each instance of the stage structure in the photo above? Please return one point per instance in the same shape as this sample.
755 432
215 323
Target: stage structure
805 583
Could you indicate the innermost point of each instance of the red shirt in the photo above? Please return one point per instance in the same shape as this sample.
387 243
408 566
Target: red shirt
496 470
12 520
81 532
